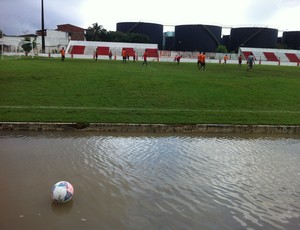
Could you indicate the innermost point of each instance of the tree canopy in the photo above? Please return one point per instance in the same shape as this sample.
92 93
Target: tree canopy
221 49
96 32
27 45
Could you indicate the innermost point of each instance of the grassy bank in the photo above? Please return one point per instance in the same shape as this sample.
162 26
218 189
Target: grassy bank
108 91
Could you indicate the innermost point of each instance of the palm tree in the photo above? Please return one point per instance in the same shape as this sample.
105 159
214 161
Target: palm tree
94 32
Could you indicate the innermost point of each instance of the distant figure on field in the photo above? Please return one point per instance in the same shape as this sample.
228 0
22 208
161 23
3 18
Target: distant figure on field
250 62
145 57
201 60
240 59
225 59
62 53
110 55
134 55
177 58
96 54
124 55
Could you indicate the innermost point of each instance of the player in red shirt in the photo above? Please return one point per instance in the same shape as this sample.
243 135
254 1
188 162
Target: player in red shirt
62 53
145 58
124 55
177 58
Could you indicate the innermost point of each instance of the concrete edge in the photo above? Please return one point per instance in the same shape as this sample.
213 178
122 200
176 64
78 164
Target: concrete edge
154 128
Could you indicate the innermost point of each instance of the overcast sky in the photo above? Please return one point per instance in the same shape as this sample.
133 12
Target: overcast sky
24 16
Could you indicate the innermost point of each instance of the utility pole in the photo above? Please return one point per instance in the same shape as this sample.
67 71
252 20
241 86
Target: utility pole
43 29
1 45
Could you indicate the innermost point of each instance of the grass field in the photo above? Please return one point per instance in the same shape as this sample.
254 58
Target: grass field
48 90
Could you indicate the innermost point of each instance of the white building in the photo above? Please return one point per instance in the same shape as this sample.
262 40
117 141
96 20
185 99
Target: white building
11 44
54 40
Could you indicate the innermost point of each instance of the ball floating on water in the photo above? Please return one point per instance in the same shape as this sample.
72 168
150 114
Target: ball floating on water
62 192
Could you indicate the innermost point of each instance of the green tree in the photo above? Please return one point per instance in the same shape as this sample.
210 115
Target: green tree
93 33
96 32
27 45
221 49
281 46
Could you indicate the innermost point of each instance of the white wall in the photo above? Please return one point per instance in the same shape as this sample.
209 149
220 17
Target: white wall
53 41
115 47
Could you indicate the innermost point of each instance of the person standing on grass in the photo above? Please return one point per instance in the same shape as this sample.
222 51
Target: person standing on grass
240 59
225 59
145 57
250 62
199 60
96 54
62 53
134 56
203 64
177 58
110 55
124 55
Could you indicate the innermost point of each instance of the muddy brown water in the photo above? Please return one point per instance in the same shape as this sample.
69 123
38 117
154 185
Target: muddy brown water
137 181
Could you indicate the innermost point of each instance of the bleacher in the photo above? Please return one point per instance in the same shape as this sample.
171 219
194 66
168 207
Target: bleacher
103 50
77 50
88 48
130 51
246 54
152 53
270 56
292 57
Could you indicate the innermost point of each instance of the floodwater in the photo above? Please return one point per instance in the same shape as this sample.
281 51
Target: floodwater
143 182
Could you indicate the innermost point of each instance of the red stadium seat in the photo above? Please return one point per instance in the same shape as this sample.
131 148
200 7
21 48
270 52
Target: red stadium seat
270 56
103 50
77 50
292 57
129 51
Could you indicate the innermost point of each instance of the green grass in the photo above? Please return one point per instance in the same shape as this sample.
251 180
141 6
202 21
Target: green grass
49 90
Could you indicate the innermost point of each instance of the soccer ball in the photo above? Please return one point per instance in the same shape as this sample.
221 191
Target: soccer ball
62 192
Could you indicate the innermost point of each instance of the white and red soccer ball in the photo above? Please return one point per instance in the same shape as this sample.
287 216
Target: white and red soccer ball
62 192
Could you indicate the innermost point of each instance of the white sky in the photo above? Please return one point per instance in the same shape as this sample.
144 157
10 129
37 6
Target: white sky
24 16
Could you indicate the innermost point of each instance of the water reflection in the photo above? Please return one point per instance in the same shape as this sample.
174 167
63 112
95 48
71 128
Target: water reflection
151 182
61 209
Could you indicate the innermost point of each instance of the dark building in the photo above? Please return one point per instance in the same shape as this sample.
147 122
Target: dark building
226 41
152 30
169 41
197 37
75 32
291 39
253 37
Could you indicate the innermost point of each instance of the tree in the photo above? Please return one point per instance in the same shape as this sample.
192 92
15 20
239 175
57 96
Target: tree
221 49
281 46
96 32
93 33
27 45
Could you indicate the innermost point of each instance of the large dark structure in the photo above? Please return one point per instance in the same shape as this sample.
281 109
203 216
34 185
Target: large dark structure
169 41
253 37
152 30
291 39
226 41
197 37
